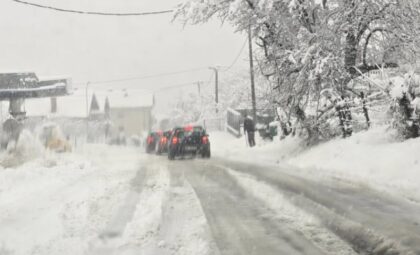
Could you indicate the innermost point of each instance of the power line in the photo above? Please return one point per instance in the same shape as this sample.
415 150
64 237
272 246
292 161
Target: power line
178 85
145 90
143 77
52 8
210 79
237 57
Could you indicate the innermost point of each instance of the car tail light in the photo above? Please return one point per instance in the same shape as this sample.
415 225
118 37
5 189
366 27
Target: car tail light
205 140
174 140
188 128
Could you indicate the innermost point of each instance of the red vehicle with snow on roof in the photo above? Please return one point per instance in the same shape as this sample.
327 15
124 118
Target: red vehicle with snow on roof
190 140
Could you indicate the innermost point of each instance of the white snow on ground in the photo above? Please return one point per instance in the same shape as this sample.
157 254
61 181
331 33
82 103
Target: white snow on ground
225 145
63 203
184 227
293 218
140 235
167 220
26 149
371 157
97 200
53 204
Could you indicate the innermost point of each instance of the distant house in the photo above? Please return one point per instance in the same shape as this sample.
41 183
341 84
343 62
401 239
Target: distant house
126 110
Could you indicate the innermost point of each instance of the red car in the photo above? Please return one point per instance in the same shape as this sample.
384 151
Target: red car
151 142
162 146
190 140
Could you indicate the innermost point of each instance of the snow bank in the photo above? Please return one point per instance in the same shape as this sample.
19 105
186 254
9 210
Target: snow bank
27 148
225 145
371 157
54 203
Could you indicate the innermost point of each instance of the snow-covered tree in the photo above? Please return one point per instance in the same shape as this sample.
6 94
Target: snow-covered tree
307 46
234 92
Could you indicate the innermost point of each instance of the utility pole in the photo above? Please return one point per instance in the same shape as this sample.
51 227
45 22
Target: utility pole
216 87
199 88
251 71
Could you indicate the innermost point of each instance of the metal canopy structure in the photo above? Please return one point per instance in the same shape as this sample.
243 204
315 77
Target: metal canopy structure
22 85
18 86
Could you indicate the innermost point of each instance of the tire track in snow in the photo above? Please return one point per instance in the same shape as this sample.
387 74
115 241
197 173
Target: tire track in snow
292 217
184 226
135 226
126 211
373 223
238 221
161 215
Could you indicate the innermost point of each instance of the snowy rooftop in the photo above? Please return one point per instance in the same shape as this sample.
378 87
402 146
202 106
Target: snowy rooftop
74 105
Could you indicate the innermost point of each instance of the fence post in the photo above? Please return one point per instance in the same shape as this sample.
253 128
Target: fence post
365 109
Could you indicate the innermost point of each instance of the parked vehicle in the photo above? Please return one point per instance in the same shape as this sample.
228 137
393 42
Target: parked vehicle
53 139
190 140
151 142
162 146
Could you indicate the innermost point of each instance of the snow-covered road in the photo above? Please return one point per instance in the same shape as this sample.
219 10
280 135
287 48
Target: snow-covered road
113 200
242 223
101 200
371 222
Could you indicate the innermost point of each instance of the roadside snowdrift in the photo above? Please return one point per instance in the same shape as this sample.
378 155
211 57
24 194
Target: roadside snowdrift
53 203
27 148
372 157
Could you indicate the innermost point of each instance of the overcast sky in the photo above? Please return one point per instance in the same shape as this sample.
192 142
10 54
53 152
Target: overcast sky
92 48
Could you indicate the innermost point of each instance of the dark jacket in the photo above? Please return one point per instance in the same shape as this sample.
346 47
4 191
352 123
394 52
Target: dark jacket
249 125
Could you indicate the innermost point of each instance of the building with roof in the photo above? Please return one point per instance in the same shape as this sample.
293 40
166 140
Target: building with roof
129 112
124 110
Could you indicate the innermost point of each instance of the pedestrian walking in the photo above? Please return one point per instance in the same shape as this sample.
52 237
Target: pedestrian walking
249 129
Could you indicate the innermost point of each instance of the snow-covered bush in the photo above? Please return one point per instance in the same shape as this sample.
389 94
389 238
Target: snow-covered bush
404 109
